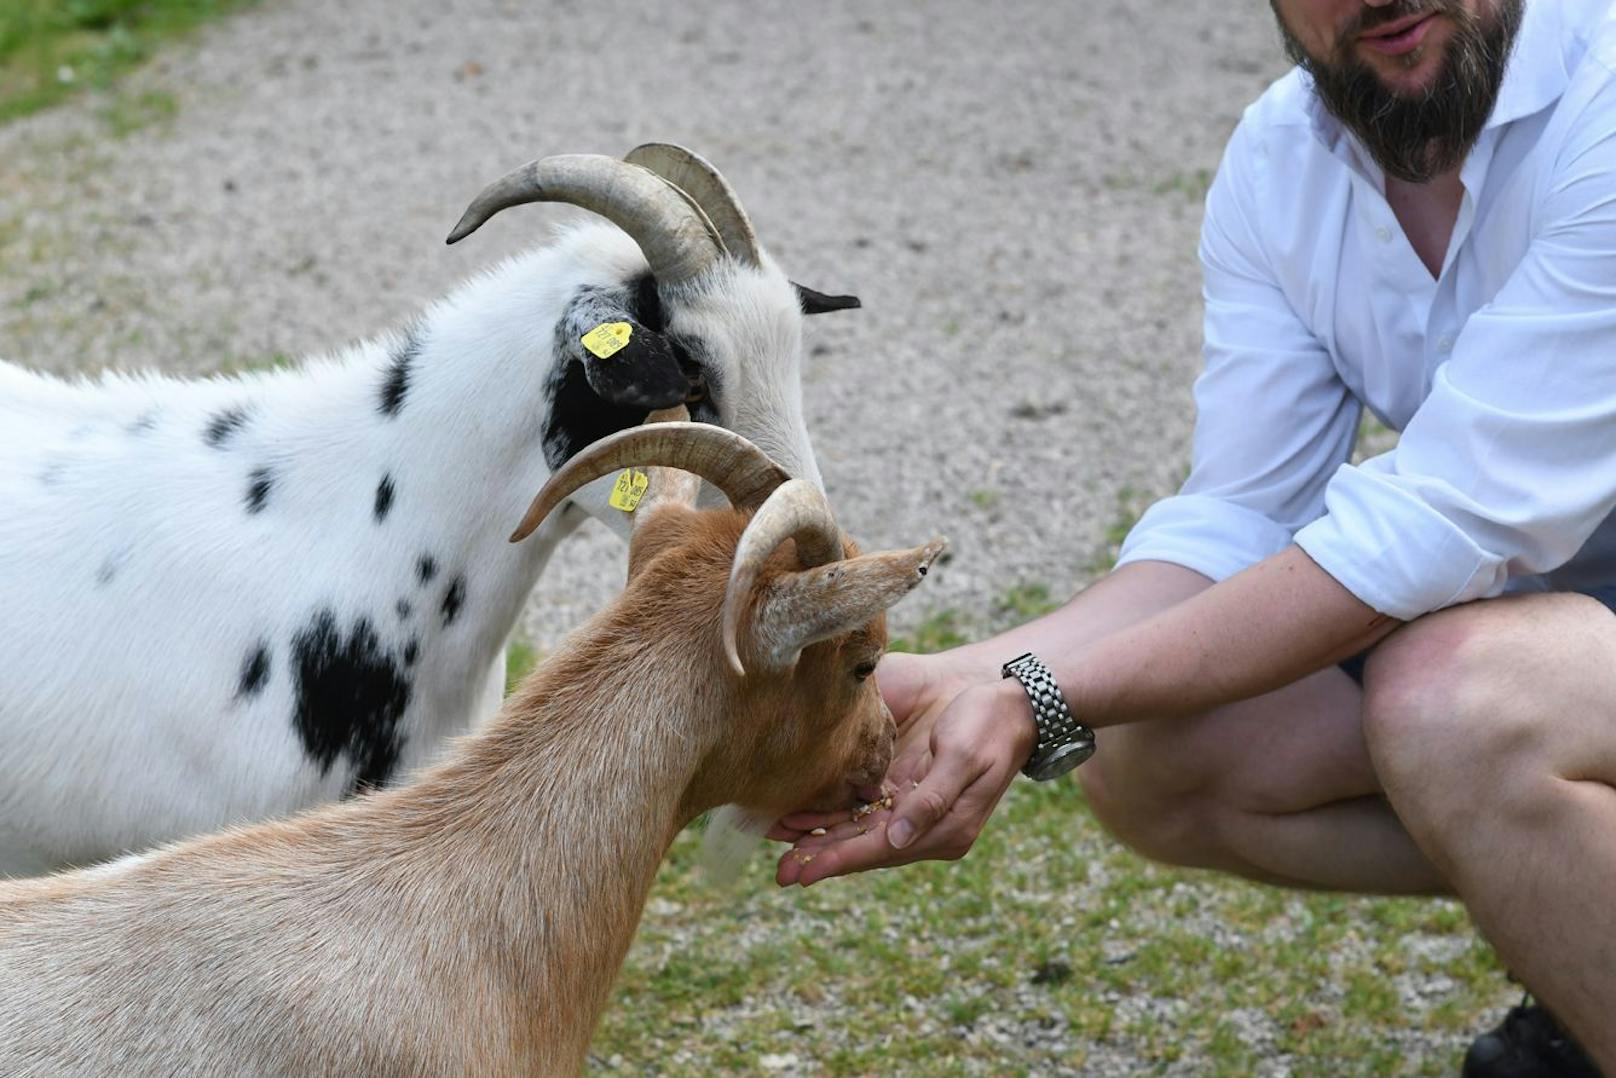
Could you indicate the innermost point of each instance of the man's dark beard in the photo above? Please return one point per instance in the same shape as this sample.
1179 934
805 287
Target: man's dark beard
1418 137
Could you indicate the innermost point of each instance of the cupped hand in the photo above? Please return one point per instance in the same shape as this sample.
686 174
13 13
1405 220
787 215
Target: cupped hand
960 743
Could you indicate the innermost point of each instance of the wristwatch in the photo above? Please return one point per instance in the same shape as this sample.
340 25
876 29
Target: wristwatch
1063 742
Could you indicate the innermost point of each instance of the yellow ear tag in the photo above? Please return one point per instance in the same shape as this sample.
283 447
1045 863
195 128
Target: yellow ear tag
607 339
628 490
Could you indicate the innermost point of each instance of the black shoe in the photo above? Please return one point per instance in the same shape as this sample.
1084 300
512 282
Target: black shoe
1528 1043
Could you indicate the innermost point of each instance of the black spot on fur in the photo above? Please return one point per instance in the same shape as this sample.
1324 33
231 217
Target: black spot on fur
352 691
254 672
577 416
454 599
412 651
384 498
426 568
222 427
105 574
397 384
404 609
647 304
259 484
144 422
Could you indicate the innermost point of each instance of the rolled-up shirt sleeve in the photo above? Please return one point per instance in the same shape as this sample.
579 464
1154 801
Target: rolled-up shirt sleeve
1273 418
1509 465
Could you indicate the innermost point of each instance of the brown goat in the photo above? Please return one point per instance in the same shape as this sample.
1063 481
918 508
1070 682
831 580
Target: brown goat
473 921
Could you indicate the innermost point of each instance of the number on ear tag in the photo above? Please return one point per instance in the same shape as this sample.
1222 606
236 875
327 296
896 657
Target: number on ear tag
607 339
628 490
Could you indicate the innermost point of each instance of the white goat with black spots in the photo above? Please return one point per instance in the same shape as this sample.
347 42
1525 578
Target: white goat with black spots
231 598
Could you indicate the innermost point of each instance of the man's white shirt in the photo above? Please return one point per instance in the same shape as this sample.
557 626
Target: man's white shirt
1500 373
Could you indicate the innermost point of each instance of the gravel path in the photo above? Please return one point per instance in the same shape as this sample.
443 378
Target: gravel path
1014 193
1014 190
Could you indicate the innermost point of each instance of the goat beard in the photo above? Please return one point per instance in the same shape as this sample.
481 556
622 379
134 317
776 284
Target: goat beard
1419 136
733 835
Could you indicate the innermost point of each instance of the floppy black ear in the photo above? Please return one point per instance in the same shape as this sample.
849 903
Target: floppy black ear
625 362
814 302
644 372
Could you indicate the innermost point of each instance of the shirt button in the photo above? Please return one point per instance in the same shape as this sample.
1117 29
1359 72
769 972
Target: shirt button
1383 234
1444 343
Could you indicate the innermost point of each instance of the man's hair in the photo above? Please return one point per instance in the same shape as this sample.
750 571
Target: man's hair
1415 137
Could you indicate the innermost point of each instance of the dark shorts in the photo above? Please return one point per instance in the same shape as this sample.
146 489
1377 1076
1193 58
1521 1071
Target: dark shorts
1606 594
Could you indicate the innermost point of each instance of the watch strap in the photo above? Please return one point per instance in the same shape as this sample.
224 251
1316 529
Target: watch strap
1060 735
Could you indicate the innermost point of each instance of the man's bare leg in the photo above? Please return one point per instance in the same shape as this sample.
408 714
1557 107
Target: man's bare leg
1493 726
1279 788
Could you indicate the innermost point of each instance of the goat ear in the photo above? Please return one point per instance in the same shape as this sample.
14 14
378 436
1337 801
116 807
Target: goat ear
629 365
803 608
813 302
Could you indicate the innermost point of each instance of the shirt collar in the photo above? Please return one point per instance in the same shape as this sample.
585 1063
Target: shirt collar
1546 49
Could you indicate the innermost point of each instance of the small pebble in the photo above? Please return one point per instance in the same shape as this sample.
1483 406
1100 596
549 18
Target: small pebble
817 831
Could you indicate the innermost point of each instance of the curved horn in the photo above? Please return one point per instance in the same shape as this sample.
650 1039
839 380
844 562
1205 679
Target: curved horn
694 175
796 510
721 457
672 235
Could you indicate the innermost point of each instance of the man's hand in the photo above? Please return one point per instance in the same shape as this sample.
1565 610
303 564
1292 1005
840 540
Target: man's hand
959 746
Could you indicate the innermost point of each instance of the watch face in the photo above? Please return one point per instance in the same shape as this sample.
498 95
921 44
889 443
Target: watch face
1060 760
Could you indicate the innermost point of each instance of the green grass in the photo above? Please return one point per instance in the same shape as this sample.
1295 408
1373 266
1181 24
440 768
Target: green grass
1047 930
984 498
275 361
521 657
938 631
1192 185
51 49
1131 504
1024 602
127 113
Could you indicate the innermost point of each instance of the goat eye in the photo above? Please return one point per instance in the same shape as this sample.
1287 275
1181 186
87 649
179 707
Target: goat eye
863 670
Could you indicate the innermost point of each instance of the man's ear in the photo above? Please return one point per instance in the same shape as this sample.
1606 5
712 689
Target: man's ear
814 302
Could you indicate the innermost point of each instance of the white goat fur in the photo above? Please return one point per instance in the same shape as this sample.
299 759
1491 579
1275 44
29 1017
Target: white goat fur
140 592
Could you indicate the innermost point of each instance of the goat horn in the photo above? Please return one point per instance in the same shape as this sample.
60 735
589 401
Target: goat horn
799 609
721 457
673 237
712 194
796 510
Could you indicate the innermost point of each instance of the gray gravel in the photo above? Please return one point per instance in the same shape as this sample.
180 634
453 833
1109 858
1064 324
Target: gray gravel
1013 189
1014 193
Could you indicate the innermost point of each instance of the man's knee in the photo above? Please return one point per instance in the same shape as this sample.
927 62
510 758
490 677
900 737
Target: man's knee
1450 718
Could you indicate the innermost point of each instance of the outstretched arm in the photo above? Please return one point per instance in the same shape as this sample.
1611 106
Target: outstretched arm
1150 641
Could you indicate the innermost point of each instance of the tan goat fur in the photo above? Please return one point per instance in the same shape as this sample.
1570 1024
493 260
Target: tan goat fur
473 921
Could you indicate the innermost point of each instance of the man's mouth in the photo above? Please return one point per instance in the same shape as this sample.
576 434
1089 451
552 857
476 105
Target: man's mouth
1399 36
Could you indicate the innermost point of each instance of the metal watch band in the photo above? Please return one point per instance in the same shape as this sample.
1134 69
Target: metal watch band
1063 742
